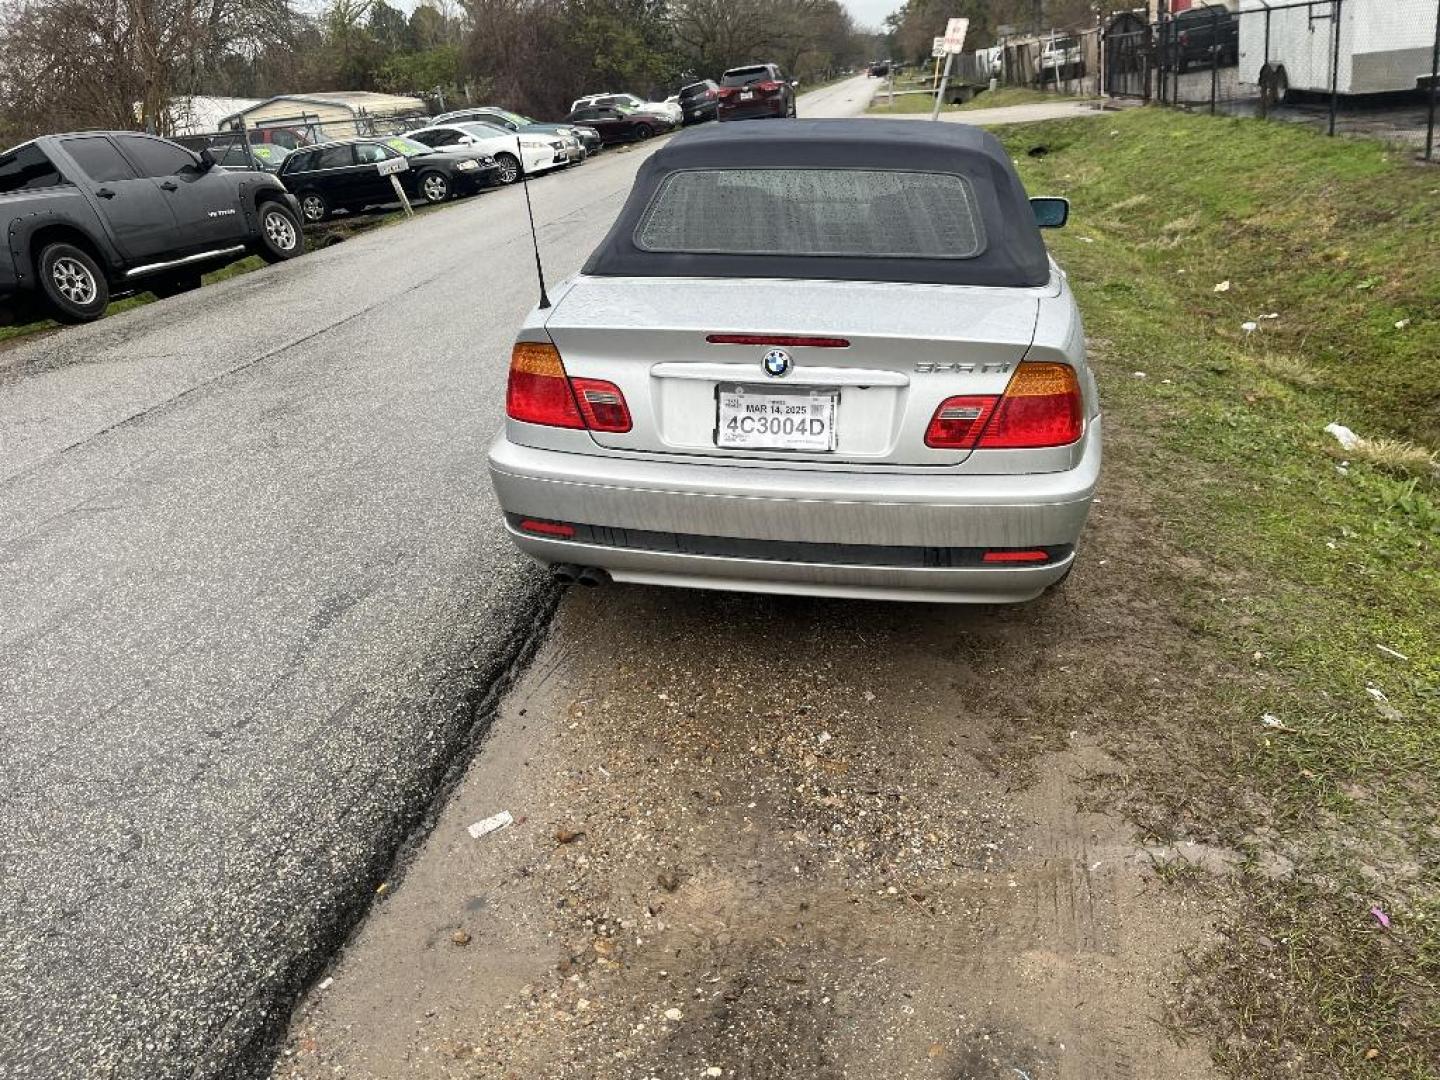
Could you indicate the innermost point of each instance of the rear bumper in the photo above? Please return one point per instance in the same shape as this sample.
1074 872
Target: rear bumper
752 111
783 510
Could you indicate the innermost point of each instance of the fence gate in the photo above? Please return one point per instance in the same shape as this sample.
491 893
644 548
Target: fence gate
1128 57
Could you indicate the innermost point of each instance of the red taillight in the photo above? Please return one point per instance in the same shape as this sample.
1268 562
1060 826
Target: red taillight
958 421
539 392
787 340
769 86
1008 555
548 528
710 95
602 404
727 91
1040 407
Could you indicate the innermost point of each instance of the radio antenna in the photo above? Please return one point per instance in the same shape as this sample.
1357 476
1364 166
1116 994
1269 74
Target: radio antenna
530 213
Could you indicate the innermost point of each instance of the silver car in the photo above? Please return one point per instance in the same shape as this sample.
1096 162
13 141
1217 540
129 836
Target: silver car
830 357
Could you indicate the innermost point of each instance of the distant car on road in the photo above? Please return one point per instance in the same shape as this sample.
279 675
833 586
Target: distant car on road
541 153
758 90
579 141
92 216
699 101
346 174
617 125
630 101
828 357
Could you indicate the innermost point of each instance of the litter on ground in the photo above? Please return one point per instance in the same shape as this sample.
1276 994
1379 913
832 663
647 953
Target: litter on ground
490 824
1343 435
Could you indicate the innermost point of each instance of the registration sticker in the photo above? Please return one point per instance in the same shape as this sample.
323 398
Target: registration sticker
759 419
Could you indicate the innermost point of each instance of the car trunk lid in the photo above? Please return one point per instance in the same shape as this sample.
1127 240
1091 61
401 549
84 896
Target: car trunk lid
684 351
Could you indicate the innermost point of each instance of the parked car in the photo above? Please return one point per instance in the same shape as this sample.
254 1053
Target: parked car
512 151
699 101
267 157
1061 58
758 90
1202 35
92 216
345 174
830 358
579 142
630 101
879 69
622 125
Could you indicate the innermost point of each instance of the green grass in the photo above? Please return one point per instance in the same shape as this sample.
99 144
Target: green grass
1309 565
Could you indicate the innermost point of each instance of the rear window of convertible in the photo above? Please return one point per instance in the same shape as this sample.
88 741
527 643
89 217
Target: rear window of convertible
839 212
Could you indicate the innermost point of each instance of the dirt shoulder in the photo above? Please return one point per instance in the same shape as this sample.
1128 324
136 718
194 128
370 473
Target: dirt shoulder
838 839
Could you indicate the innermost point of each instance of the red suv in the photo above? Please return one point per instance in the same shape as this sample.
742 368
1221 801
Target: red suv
747 93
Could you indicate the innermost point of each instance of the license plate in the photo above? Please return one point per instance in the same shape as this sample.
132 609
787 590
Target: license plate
746 95
758 419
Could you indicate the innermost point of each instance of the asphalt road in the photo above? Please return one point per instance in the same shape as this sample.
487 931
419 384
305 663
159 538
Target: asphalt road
254 610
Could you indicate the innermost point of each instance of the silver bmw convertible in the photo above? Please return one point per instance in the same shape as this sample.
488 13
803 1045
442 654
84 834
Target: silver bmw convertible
824 357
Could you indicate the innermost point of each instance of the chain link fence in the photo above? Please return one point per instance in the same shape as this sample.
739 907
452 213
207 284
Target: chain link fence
1363 66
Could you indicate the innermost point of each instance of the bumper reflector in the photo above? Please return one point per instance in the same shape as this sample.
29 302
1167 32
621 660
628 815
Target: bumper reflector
557 529
1011 556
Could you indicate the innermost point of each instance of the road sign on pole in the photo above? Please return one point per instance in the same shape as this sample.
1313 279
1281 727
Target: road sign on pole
938 49
955 35
954 42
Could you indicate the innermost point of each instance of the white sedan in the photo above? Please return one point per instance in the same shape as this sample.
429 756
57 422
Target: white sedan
512 151
630 101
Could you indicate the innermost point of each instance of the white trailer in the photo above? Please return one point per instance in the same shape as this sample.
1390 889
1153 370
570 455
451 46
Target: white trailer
1385 46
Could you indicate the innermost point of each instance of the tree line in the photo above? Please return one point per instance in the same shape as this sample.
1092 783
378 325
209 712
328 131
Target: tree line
81 64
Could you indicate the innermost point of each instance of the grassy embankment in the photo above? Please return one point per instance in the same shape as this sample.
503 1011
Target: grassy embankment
1268 281
922 103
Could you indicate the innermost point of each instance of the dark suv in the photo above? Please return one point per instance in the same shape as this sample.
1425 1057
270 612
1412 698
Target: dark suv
352 174
758 90
95 215
1203 35
700 101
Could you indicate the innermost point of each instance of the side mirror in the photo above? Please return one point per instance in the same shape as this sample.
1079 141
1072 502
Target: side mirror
1051 212
207 160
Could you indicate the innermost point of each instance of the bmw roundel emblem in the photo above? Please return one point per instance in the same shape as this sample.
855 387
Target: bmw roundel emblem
776 363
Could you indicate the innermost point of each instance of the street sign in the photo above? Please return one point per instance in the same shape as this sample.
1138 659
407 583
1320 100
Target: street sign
938 49
955 35
391 166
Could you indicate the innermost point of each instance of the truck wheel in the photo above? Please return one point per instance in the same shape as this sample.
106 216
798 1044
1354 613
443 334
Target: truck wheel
434 188
73 284
314 207
168 285
280 235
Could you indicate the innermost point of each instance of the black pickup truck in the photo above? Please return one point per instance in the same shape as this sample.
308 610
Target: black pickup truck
1205 35
92 216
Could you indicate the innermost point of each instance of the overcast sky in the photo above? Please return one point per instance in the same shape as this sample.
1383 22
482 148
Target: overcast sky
870 14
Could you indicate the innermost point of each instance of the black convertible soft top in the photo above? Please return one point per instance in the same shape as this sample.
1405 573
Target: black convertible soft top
734 193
